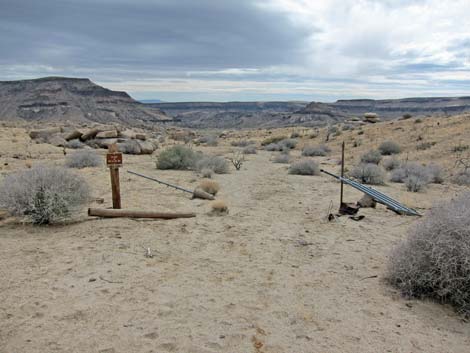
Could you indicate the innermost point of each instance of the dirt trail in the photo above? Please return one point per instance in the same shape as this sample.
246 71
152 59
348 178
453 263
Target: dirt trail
271 276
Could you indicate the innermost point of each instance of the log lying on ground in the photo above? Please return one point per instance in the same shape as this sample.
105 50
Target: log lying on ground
114 213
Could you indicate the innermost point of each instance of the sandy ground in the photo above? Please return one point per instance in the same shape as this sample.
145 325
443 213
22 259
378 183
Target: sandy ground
271 276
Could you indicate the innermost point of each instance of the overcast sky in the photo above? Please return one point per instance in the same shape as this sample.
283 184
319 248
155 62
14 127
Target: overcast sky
204 50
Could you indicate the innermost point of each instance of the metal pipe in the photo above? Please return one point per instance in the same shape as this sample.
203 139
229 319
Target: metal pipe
161 182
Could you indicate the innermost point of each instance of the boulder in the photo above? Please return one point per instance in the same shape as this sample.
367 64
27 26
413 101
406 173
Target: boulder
105 143
72 135
129 147
56 140
367 201
142 137
90 134
146 147
107 134
127 134
44 133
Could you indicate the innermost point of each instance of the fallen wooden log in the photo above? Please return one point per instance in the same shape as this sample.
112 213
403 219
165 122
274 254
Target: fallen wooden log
114 213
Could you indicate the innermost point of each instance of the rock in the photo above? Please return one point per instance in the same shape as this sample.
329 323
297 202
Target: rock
4 214
72 135
107 134
90 134
128 134
56 140
367 201
44 133
142 137
129 147
146 147
105 143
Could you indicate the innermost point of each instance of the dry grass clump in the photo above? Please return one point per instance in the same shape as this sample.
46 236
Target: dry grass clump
373 156
216 163
249 150
305 167
209 186
177 157
434 260
83 159
388 148
369 173
43 195
219 207
311 151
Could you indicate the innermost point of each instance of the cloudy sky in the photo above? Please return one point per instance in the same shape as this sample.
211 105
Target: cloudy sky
204 50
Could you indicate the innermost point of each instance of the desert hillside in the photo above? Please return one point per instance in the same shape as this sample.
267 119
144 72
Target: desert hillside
271 275
71 99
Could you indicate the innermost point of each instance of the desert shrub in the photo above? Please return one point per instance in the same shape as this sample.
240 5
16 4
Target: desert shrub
432 173
130 147
75 144
305 167
313 135
416 183
177 157
216 163
288 143
369 173
373 156
294 135
310 151
83 159
347 127
460 148
209 186
388 148
273 147
462 178
209 140
433 261
242 143
219 207
207 173
406 116
272 139
417 121
250 150
282 158
436 173
391 164
43 195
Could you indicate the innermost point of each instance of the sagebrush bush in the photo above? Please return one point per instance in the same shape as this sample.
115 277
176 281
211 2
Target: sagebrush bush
83 159
416 183
207 173
312 151
462 178
273 147
288 143
43 195
250 150
305 167
242 143
388 148
373 156
216 163
369 173
209 140
434 260
177 157
391 164
432 173
282 158
436 174
294 135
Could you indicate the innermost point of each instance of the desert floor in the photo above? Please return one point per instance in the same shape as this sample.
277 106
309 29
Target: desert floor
271 276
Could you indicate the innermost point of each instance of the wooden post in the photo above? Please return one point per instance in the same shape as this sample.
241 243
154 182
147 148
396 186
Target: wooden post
342 175
114 161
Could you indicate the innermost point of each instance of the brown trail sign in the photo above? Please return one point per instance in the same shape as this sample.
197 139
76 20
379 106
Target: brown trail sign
114 162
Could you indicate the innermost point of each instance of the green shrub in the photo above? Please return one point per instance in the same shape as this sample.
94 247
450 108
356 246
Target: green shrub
43 195
369 173
177 157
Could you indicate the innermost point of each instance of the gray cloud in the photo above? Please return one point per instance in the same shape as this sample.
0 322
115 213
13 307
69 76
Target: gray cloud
205 34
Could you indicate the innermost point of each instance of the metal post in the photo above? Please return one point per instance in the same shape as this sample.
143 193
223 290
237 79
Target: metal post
342 174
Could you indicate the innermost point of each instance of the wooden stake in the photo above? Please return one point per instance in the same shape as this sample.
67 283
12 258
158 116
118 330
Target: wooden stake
113 213
115 187
342 175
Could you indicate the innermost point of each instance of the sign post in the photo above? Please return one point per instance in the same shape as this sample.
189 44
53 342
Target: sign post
114 162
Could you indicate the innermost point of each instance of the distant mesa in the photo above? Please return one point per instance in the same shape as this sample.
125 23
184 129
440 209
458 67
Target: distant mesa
71 99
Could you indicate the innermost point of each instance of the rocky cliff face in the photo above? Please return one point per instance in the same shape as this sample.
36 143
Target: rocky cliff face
71 99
